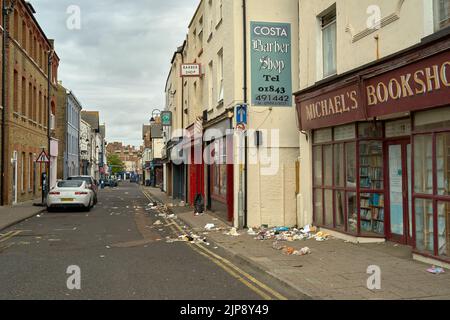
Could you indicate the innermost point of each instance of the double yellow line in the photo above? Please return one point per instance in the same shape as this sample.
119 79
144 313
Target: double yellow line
8 235
261 289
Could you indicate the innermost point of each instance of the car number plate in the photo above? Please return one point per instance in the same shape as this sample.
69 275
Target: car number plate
67 200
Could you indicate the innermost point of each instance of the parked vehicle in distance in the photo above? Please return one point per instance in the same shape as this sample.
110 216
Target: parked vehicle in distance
70 194
91 183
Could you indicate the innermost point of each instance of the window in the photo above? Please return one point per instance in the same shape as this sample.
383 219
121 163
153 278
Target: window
24 34
328 23
23 175
334 158
16 91
30 171
30 101
16 25
337 204
35 105
40 110
24 96
432 182
210 86
219 11
441 14
219 169
220 77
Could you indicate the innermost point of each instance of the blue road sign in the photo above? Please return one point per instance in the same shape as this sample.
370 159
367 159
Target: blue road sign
241 114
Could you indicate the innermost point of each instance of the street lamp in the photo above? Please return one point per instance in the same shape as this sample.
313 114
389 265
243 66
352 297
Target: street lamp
155 113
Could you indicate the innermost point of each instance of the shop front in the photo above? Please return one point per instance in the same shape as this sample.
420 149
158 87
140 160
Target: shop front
218 143
380 145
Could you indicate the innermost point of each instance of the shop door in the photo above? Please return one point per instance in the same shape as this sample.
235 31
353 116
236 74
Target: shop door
399 192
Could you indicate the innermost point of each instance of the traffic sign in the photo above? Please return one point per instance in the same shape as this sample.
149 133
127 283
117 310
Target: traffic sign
166 118
43 158
241 114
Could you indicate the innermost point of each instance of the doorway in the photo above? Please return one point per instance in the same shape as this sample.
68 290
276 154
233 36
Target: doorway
399 191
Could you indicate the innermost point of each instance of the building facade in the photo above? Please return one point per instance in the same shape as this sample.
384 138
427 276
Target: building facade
28 54
68 133
375 135
248 55
85 149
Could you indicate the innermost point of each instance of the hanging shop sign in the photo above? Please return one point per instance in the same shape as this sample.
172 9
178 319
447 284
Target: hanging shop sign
271 65
191 70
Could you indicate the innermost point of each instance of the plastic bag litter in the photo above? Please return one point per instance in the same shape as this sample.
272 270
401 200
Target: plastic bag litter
251 232
210 226
302 252
233 232
436 270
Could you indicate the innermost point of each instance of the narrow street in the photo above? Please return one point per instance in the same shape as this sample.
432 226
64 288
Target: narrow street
121 255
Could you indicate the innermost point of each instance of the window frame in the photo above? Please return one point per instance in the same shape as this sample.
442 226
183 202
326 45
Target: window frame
434 196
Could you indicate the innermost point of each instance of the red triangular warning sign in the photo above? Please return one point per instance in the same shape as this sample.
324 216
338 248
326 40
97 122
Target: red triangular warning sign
43 158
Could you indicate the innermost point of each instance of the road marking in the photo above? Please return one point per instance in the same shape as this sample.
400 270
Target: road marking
9 235
228 266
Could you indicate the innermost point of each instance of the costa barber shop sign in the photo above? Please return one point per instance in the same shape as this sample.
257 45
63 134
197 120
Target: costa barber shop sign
382 90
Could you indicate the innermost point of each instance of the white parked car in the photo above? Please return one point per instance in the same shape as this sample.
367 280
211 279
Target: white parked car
71 194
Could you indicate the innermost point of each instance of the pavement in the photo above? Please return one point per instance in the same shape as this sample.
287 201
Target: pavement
123 250
11 215
335 269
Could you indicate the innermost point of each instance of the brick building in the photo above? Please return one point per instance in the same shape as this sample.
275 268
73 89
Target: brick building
129 155
26 110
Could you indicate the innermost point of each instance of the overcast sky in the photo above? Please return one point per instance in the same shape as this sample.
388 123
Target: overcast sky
118 62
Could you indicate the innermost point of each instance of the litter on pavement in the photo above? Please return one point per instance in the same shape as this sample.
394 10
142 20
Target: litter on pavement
436 270
210 226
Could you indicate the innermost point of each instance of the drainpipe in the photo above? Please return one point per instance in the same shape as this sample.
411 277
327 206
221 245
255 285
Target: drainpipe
244 25
49 112
6 11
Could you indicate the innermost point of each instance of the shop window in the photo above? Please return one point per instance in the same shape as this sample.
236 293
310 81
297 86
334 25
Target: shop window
424 218
371 165
340 209
350 162
318 206
443 163
328 165
343 133
432 119
317 154
352 209
329 220
339 165
372 213
400 128
370 130
423 164
444 228
323 136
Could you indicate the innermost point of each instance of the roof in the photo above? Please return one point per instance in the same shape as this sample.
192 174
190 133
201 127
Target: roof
93 118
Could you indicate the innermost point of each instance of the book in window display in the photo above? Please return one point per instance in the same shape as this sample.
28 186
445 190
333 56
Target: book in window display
372 213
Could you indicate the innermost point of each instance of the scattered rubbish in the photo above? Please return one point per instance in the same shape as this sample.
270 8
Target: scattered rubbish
233 232
157 223
302 252
436 270
38 216
290 235
108 247
288 251
102 257
210 226
278 246
251 232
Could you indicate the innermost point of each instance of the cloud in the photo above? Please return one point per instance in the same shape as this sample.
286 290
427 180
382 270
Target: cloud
118 62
